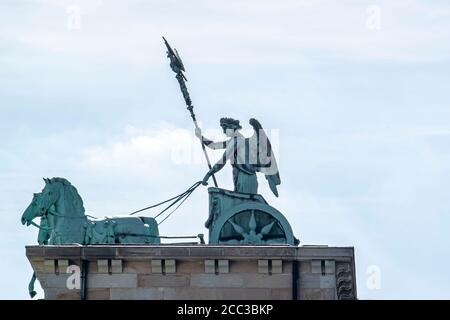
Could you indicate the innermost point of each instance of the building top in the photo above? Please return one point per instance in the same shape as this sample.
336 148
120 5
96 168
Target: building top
285 252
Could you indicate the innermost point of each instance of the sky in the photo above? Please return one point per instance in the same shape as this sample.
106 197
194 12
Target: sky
354 95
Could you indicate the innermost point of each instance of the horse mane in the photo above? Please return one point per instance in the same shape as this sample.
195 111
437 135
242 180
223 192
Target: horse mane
70 192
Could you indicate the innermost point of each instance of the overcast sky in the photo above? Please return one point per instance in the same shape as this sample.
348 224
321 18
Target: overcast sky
355 95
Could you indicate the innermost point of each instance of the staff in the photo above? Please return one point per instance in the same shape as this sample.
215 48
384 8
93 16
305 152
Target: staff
177 66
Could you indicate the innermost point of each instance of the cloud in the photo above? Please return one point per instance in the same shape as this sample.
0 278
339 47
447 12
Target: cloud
142 152
88 6
289 33
139 151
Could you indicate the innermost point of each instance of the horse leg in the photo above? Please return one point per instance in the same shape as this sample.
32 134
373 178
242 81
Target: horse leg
43 237
152 229
31 286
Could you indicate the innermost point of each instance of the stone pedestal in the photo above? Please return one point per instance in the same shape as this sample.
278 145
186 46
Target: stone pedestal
194 272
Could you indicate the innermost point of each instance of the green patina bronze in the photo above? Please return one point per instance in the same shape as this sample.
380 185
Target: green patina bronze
247 156
242 218
63 220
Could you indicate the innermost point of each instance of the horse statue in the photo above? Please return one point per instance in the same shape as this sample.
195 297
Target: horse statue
63 221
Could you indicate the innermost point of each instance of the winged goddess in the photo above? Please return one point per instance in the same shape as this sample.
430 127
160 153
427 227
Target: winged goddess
247 156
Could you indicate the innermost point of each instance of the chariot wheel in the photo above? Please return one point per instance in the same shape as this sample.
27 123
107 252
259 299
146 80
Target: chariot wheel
252 223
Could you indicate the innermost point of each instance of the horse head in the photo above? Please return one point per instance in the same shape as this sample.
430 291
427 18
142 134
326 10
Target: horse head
49 195
33 210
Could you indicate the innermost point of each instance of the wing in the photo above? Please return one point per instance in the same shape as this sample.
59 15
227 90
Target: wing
262 157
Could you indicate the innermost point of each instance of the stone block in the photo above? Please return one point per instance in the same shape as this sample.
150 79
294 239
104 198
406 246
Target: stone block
130 266
94 252
210 266
309 280
324 252
62 265
127 251
263 266
215 281
287 266
122 280
62 251
206 251
316 266
55 281
248 252
328 294
330 266
68 295
92 267
173 251
252 280
327 282
116 266
223 266
102 266
192 266
49 266
98 294
157 266
268 252
317 294
170 266
277 266
242 294
38 265
242 280
281 294
154 280
190 293
62 294
305 267
137 294
243 266
317 281
34 251
310 294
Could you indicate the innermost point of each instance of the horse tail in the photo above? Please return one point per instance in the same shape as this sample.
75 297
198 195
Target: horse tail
31 286
152 228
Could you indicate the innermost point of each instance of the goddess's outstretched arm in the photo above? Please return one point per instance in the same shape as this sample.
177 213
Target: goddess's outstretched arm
209 143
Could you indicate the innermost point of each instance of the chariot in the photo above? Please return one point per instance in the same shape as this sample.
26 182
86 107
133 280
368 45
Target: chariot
242 218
